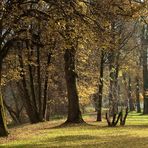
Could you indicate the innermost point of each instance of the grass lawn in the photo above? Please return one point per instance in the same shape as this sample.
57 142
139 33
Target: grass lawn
97 135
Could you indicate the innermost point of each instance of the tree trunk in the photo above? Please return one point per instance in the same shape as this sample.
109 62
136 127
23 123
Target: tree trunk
29 106
3 126
31 79
144 41
113 88
131 103
46 88
111 75
138 96
13 114
39 77
100 92
74 113
145 79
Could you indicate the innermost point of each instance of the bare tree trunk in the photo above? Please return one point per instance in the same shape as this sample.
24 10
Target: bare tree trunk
126 89
46 87
3 126
32 92
111 67
39 80
12 113
74 113
145 66
145 79
113 88
138 96
100 92
131 102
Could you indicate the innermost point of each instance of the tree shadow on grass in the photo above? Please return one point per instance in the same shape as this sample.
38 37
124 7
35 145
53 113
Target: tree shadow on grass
137 114
72 138
138 126
86 141
71 125
58 139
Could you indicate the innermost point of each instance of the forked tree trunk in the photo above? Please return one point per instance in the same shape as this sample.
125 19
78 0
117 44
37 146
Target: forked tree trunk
3 126
113 88
74 113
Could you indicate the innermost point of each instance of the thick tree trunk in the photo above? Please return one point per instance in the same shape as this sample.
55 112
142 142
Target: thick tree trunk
99 109
100 92
131 102
138 96
3 126
74 113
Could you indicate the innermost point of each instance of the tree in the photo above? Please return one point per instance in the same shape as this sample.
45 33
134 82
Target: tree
74 113
3 126
145 66
100 91
138 95
10 32
131 103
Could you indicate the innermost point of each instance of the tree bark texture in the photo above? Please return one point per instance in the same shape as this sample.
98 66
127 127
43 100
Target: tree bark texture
100 92
145 79
145 66
3 125
74 113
